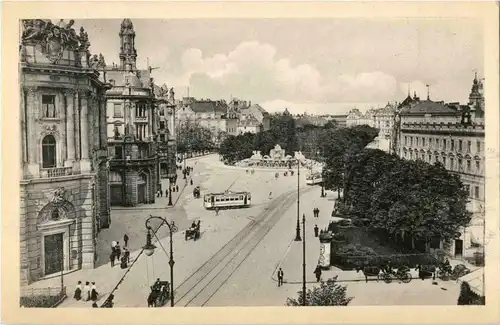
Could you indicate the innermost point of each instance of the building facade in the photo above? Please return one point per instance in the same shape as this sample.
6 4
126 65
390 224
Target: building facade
165 108
453 135
63 190
134 175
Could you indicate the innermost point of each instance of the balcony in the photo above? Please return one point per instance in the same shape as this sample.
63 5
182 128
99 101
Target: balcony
139 162
55 172
140 119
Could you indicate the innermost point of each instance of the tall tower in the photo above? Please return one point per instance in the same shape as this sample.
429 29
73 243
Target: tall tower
476 97
128 53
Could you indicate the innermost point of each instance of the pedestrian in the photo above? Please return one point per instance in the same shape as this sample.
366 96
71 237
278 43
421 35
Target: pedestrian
270 195
113 244
125 239
317 272
316 230
191 181
158 193
280 277
86 292
317 213
177 188
78 291
216 211
94 305
123 262
112 258
93 292
126 253
118 251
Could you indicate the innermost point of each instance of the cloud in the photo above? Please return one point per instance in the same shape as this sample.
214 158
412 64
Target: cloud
252 70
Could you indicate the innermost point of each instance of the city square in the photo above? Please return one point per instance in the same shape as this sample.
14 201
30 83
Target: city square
139 194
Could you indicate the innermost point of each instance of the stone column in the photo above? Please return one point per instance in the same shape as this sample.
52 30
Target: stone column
23 128
70 128
103 124
84 130
32 147
149 114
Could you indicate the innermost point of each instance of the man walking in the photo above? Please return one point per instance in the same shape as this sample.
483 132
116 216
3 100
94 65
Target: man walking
125 239
280 277
317 272
316 230
317 213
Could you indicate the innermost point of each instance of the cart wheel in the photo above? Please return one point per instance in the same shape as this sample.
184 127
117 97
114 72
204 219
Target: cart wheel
406 278
387 278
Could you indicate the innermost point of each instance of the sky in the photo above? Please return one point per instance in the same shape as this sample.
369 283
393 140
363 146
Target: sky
318 66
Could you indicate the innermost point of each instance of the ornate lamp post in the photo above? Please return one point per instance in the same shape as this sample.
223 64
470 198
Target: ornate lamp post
304 260
170 197
149 249
297 234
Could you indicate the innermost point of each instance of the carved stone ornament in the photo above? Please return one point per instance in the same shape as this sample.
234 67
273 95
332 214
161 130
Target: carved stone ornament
50 128
53 38
58 195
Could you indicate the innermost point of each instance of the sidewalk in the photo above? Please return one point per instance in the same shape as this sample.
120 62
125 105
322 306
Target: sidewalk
129 221
291 262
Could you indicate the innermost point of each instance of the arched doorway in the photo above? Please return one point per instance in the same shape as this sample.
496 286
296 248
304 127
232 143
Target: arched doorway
142 183
56 225
49 152
116 188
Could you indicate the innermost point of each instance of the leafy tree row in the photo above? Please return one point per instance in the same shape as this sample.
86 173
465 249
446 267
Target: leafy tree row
193 137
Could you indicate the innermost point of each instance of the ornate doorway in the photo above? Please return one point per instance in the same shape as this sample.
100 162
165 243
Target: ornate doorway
54 253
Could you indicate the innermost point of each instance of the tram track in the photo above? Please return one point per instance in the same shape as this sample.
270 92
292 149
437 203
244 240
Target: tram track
207 280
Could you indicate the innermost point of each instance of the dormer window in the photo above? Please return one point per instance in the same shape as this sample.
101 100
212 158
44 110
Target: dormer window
49 106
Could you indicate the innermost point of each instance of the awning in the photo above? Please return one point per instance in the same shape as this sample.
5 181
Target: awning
475 281
476 235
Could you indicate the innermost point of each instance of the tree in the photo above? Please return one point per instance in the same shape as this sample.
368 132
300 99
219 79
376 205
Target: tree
329 293
468 297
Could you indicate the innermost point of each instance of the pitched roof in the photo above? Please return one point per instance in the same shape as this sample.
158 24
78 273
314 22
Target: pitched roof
208 106
428 107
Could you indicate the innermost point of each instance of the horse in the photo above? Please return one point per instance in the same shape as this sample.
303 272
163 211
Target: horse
369 271
152 298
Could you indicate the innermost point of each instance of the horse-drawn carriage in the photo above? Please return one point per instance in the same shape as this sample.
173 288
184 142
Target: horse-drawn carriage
193 232
196 192
160 294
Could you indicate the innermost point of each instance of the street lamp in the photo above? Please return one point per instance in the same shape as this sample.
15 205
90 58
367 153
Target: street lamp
304 260
297 234
170 196
149 249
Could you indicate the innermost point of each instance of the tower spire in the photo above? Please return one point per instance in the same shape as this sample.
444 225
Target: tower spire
128 53
428 97
409 90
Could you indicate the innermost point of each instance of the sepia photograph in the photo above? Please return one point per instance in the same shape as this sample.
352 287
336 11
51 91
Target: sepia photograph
254 161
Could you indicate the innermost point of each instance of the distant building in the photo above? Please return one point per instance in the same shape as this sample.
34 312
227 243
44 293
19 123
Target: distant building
64 176
134 176
258 113
340 119
453 135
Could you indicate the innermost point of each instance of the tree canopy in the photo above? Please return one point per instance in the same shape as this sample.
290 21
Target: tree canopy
192 137
328 293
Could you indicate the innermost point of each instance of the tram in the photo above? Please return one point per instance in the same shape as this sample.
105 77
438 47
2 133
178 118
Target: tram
314 178
227 200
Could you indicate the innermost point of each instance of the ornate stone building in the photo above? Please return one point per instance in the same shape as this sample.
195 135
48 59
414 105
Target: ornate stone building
453 135
63 190
131 127
165 107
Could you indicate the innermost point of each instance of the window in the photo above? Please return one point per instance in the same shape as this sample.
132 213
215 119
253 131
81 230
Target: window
459 145
459 165
423 157
467 188
416 141
444 144
49 152
162 125
117 110
49 106
411 155
437 143
478 166
140 110
406 140
478 146
411 141
118 152
452 162
452 143
476 192
469 144
430 158
444 162
161 112
468 166
423 142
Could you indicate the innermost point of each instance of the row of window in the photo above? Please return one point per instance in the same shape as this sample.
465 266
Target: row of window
448 163
476 194
140 110
217 199
443 144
